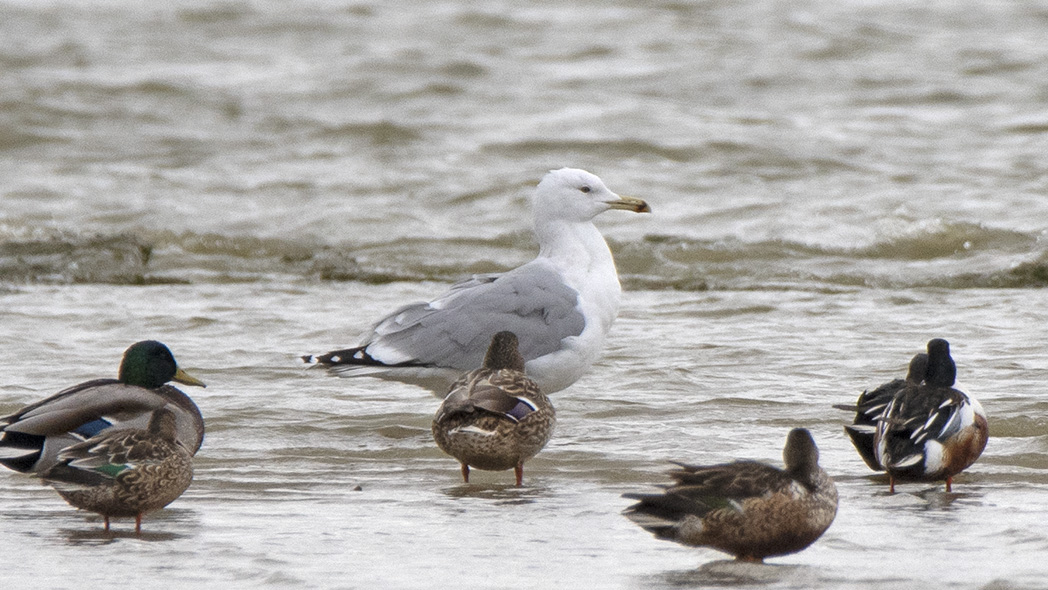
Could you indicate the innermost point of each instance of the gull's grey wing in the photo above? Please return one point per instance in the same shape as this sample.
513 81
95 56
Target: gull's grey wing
454 330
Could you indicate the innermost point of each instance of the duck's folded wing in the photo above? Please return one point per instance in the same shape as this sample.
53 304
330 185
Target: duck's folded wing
737 480
943 421
496 401
662 514
66 478
56 399
112 401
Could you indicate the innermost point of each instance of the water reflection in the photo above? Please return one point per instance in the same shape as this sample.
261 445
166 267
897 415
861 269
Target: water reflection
99 536
85 528
730 573
500 494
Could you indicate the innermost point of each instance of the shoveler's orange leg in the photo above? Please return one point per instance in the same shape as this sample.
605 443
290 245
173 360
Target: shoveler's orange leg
949 482
891 484
105 519
465 473
519 472
138 523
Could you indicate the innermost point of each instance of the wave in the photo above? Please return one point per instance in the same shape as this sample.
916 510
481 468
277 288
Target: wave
117 259
951 256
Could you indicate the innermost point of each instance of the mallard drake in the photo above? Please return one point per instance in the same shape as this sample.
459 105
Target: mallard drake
495 418
747 509
931 431
870 405
125 471
31 438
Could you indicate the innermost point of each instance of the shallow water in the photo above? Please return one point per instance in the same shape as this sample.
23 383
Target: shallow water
832 185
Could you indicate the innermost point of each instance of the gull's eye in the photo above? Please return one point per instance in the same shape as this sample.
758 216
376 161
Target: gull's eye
585 188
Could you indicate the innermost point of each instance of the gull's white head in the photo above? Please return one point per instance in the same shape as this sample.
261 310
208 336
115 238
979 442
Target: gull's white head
574 195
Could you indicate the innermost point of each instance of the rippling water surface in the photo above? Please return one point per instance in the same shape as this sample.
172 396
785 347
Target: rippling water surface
832 183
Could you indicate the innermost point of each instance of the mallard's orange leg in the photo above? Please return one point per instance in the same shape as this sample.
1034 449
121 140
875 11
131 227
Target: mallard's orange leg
519 472
949 482
465 473
105 519
138 523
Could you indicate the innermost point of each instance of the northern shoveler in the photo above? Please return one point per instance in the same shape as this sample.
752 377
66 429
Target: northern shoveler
931 431
495 418
746 508
32 438
125 472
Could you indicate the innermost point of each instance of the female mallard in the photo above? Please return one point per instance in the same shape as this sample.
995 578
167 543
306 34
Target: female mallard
125 471
747 509
495 417
31 438
931 432
870 405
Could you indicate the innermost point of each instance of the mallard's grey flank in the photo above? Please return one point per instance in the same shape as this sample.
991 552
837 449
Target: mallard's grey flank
560 305
747 509
495 418
32 437
125 472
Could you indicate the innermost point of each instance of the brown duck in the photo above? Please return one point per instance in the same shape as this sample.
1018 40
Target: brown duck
747 509
125 472
495 418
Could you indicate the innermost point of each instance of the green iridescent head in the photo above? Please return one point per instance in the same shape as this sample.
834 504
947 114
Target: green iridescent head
150 364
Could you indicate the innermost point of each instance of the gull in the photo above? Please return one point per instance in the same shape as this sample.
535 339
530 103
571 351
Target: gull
560 305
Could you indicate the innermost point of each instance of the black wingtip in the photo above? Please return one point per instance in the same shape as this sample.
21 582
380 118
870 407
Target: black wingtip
345 356
348 356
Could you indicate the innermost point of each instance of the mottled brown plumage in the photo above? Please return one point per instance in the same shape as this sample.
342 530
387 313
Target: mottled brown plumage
125 472
495 418
747 509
